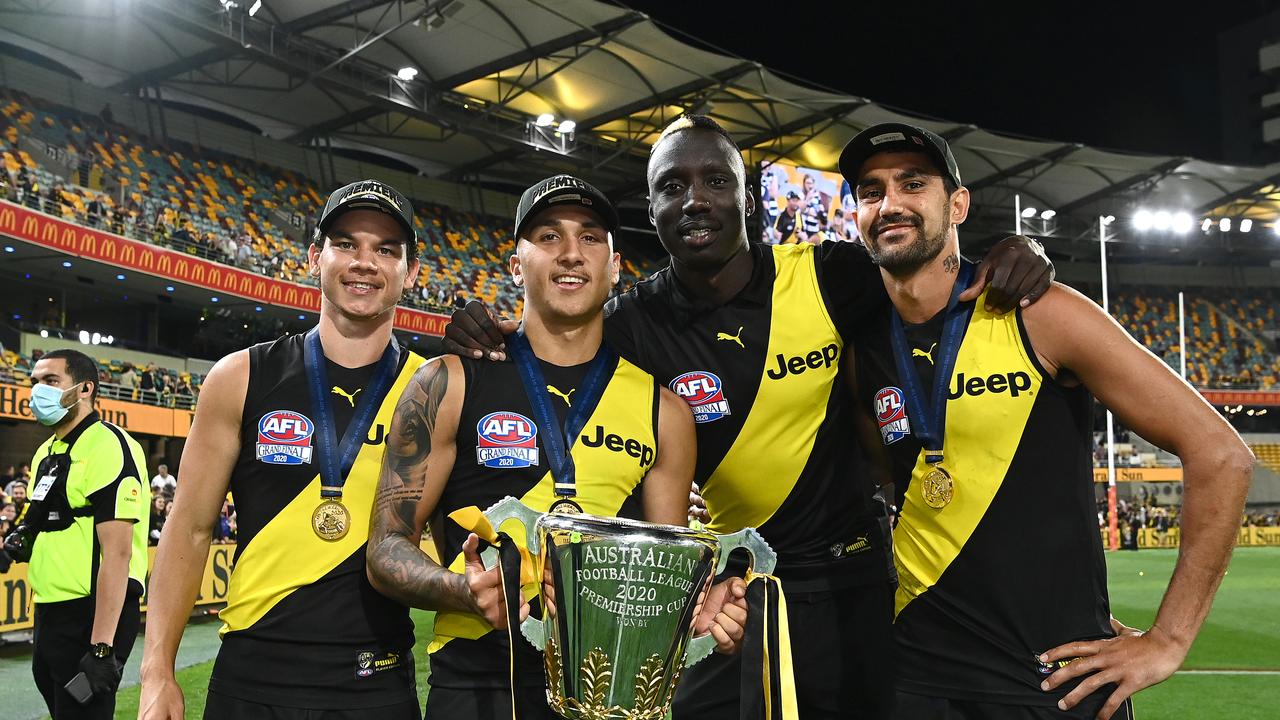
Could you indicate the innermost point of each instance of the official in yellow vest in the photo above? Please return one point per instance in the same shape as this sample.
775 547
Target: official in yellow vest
85 535
296 429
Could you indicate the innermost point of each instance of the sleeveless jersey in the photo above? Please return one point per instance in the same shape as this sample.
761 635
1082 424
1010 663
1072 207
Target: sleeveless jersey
500 453
777 448
1013 565
303 627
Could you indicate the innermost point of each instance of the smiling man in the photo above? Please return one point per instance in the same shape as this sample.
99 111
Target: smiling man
469 433
1001 609
295 429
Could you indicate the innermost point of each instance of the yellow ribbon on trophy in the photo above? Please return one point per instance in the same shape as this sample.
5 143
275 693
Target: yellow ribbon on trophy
776 669
472 519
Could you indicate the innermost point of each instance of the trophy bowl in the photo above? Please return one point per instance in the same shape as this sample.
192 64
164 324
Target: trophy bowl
619 599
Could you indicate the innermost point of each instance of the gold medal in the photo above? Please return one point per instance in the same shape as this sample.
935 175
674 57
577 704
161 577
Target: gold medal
565 506
331 521
937 488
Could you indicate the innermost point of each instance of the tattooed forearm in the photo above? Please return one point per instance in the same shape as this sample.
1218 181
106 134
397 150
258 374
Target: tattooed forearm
397 567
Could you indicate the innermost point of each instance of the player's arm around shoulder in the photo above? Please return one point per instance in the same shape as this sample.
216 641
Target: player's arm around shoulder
1075 339
208 458
665 491
415 468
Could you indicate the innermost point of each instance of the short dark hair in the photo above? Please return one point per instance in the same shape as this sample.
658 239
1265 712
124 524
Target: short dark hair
690 121
80 367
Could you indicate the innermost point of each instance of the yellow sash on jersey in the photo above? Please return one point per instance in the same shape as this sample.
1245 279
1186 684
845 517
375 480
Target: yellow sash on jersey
286 554
770 452
983 433
605 481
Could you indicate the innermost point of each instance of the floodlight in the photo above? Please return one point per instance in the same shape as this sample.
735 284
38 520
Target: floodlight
407 73
84 337
1206 225
1108 219
1276 228
255 7
1162 220
1224 224
544 120
95 338
1182 223
1028 212
1246 225
1142 220
568 126
1048 214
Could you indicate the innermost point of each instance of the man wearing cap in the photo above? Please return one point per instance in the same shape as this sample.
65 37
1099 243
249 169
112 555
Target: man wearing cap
788 227
295 428
468 433
751 336
1001 610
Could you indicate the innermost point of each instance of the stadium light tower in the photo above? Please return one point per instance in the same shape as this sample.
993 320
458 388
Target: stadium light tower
1113 531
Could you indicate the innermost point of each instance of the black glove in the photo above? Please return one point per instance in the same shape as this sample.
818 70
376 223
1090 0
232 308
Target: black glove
18 545
103 674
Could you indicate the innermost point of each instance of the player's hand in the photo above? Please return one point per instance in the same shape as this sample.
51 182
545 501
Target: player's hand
548 593
1132 660
698 506
161 700
1018 272
475 332
486 586
723 613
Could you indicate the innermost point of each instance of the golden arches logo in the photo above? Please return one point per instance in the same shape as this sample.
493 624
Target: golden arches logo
147 259
8 219
109 248
88 243
30 226
128 254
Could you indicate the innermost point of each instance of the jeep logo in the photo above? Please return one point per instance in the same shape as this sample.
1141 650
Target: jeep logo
799 363
1014 382
617 443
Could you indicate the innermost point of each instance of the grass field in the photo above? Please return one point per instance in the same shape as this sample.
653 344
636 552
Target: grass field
1241 635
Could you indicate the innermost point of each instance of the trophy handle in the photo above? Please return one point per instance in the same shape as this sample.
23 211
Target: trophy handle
763 560
500 512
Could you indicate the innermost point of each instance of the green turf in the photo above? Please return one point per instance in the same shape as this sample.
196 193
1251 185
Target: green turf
1242 633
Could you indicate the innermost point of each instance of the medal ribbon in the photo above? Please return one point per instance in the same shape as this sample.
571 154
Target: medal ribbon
336 460
929 421
557 441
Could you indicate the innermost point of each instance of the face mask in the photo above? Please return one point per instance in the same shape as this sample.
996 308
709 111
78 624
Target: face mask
46 403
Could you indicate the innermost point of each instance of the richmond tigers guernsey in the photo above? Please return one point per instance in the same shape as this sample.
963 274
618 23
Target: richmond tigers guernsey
776 443
1013 565
500 453
303 627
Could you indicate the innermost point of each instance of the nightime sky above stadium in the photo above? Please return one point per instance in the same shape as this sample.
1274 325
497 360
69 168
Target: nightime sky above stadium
1128 76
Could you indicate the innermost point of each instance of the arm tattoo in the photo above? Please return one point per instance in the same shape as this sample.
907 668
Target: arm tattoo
950 264
396 564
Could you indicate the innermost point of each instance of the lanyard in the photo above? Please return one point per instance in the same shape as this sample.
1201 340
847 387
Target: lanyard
929 421
336 460
557 441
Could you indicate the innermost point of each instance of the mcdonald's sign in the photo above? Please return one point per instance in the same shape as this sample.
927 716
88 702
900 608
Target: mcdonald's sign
8 219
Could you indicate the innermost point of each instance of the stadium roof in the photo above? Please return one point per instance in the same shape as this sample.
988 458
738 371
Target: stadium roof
313 71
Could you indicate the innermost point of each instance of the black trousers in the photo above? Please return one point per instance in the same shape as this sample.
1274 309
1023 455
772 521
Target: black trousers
842 650
62 631
224 707
920 707
447 703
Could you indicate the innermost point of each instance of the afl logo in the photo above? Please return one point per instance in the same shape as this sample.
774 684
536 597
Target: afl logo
891 415
284 438
506 439
704 393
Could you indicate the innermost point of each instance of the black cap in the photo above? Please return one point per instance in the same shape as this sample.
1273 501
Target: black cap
792 195
369 195
896 137
559 189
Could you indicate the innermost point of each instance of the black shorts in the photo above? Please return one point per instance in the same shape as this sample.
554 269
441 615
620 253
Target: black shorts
842 650
224 707
910 706
476 704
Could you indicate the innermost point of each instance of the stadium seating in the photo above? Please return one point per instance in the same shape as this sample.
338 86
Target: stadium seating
1268 455
184 387
206 203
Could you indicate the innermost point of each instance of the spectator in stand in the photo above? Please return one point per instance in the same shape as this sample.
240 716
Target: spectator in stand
129 380
106 116
147 384
19 499
184 389
224 528
24 473
159 513
459 299
163 481
94 211
244 252
788 227
442 296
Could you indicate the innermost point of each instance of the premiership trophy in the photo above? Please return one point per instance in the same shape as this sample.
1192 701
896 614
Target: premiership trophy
624 597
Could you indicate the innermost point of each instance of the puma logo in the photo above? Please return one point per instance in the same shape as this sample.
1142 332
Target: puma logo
351 398
928 355
552 389
732 338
